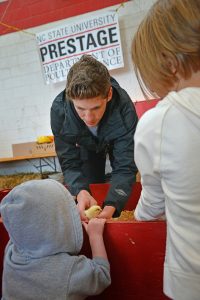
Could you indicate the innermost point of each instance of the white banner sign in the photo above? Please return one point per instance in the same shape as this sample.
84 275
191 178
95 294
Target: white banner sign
62 46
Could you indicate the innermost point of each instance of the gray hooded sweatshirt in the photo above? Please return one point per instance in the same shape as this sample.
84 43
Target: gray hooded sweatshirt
41 259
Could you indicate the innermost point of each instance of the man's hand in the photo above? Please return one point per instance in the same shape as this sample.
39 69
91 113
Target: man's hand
107 212
85 200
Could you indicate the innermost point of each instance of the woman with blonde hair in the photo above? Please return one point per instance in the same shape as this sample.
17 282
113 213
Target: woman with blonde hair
166 58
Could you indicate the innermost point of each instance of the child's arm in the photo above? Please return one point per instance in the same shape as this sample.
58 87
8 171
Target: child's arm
94 230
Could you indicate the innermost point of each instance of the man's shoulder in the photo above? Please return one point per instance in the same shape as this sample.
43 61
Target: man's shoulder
120 95
121 103
114 82
59 104
59 98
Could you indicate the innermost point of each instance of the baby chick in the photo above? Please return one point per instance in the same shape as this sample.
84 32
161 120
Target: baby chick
93 211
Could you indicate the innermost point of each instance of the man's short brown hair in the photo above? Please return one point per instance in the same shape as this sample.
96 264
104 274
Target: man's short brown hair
87 78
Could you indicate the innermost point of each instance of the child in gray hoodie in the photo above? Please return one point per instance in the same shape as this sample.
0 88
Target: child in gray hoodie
41 259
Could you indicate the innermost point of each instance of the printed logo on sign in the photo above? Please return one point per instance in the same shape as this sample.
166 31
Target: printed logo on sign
61 47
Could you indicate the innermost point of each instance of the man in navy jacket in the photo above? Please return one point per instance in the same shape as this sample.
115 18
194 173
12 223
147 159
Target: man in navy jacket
92 118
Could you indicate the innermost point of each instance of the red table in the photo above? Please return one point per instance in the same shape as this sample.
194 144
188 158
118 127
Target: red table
135 250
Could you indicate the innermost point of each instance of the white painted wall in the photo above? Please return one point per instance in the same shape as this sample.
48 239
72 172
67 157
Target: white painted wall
25 99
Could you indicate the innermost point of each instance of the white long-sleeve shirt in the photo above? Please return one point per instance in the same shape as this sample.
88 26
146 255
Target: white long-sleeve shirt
167 154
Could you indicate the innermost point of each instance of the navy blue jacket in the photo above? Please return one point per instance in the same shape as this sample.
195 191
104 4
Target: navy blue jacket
116 129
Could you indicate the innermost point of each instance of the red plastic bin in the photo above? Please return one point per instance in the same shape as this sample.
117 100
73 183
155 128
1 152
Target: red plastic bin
135 250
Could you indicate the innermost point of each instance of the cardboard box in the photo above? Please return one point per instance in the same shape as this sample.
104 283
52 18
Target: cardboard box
33 148
46 148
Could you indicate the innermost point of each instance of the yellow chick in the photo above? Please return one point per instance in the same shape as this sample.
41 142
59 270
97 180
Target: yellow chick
93 211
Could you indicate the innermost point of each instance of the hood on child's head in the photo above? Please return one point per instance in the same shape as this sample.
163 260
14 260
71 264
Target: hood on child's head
42 219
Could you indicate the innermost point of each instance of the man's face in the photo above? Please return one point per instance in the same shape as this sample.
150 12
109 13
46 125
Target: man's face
91 110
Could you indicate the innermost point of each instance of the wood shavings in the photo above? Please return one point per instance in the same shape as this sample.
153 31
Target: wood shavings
126 215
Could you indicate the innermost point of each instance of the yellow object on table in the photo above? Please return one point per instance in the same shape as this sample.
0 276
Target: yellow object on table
45 139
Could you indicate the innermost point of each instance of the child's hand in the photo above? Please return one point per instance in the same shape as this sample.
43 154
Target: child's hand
94 230
94 227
